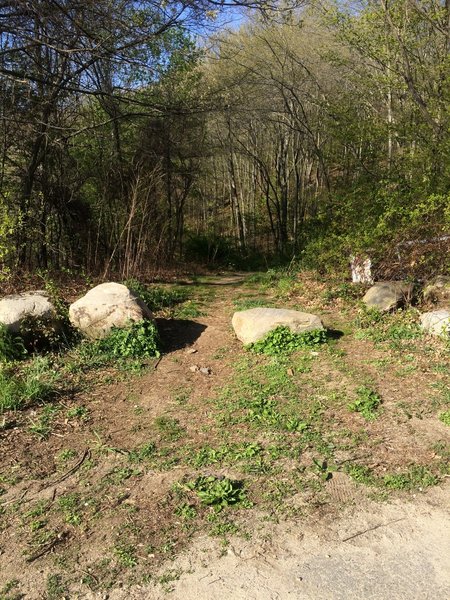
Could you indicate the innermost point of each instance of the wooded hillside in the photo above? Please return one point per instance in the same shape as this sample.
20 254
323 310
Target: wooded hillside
135 133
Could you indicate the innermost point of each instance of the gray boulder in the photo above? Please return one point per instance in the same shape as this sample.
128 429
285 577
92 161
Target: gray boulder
386 295
253 324
105 306
436 322
34 307
437 290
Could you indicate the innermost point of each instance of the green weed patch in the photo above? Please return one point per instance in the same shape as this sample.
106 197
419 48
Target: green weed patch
367 403
282 341
219 492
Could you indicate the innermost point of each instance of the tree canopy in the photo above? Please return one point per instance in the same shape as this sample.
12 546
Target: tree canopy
312 131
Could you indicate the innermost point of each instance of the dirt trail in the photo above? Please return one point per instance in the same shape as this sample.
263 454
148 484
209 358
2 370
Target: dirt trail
398 551
368 550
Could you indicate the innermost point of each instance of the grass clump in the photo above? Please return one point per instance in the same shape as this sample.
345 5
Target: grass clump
393 328
43 425
188 310
282 341
35 384
348 292
169 428
11 346
126 555
445 417
367 403
247 303
145 452
417 477
282 281
360 474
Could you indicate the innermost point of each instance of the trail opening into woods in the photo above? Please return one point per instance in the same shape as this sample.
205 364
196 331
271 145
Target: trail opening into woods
216 472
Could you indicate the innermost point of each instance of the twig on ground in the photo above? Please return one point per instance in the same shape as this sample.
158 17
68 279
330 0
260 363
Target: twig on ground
47 548
86 454
351 537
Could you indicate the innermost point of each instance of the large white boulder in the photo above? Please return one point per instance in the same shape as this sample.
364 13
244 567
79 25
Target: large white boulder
33 307
436 322
105 306
386 295
253 324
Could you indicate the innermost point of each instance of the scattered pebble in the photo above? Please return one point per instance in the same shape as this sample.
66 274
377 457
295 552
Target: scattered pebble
191 350
204 370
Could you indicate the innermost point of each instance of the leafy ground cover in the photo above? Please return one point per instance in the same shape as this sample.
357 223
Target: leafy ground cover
113 462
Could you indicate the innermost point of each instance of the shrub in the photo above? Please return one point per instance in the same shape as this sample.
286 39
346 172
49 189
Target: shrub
140 340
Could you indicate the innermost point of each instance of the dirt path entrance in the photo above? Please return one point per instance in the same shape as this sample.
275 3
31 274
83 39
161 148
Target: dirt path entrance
219 473
397 551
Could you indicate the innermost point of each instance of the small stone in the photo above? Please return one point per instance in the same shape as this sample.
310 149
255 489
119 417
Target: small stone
290 372
205 371
191 350
194 368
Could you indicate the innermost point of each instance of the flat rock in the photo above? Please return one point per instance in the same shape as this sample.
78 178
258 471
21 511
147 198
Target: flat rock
436 322
253 324
31 306
105 306
386 295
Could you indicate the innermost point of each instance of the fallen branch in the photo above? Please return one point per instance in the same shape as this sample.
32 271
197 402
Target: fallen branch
351 537
71 471
47 548
87 454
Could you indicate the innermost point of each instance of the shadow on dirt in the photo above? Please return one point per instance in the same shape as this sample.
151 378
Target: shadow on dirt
334 334
178 333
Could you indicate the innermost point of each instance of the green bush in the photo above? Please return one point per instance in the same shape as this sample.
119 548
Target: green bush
282 341
140 340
